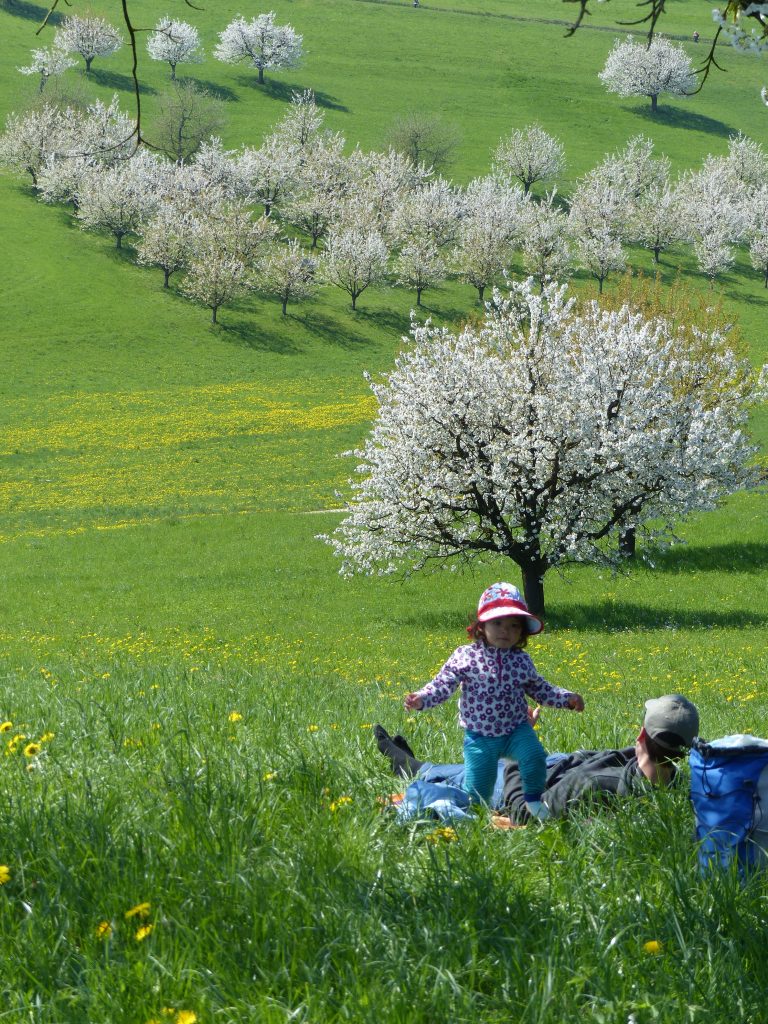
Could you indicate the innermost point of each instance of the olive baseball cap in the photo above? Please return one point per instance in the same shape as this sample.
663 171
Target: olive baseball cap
671 721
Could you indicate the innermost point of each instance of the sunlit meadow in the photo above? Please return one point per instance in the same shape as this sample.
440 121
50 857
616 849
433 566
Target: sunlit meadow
196 825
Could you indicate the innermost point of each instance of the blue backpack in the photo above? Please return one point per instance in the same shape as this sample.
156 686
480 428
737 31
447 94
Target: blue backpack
729 793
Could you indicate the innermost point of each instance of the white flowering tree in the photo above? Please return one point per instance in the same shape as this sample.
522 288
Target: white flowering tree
48 62
117 199
420 265
30 139
90 37
657 220
714 214
270 171
175 42
541 435
287 272
166 239
302 124
355 258
648 69
757 232
260 43
321 182
597 222
529 155
433 210
224 247
488 232
547 248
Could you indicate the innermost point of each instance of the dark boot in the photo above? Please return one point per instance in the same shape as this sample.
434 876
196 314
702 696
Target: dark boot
403 763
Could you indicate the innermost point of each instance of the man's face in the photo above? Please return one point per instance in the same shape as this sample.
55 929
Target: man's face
504 632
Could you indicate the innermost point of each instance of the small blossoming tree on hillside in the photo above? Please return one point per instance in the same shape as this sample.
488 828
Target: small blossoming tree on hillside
543 434
647 69
260 43
90 37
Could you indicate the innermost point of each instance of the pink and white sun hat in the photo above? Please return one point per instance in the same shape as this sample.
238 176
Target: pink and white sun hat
501 599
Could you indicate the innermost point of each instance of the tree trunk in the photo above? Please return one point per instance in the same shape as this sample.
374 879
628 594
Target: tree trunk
119 237
480 292
418 296
261 76
88 65
628 542
354 300
285 305
533 587
173 72
765 281
166 275
214 312
656 252
654 98
600 285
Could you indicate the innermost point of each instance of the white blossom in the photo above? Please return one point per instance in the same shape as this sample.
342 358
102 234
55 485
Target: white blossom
166 238
433 210
547 250
757 231
287 272
492 224
90 37
224 247
30 139
355 257
542 434
657 221
48 62
260 43
648 69
420 265
322 181
529 155
270 172
117 199
175 42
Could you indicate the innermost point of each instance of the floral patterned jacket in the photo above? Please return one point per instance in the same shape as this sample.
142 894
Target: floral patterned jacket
494 684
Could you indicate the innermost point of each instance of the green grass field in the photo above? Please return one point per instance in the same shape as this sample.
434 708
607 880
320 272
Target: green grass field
202 683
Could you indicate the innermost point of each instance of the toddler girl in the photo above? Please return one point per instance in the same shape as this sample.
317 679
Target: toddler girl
495 675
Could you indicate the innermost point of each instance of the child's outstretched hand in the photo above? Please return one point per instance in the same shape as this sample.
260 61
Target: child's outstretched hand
576 702
413 702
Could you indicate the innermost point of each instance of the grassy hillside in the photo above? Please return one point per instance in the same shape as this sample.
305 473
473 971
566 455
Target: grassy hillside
168 613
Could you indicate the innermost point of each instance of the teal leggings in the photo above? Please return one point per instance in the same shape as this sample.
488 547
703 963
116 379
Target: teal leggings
482 755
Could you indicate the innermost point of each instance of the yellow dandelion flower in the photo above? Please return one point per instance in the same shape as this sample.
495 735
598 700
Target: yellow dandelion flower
235 716
140 910
341 802
6 726
313 728
269 776
5 874
653 946
47 737
143 932
103 930
32 750
442 835
186 1017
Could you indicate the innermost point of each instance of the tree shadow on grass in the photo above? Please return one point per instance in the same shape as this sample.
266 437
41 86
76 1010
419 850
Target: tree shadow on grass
284 91
614 616
749 557
250 335
386 319
32 12
608 617
220 92
676 117
123 83
330 330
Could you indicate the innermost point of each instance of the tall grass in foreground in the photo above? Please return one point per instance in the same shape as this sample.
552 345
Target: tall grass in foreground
216 844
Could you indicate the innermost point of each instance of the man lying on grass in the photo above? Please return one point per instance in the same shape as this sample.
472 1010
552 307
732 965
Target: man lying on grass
669 727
